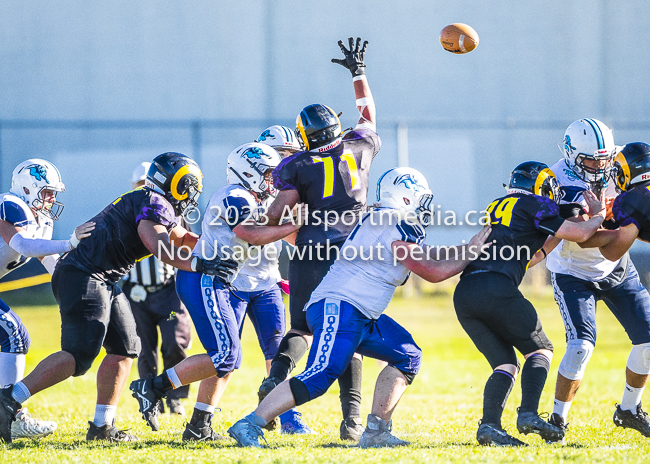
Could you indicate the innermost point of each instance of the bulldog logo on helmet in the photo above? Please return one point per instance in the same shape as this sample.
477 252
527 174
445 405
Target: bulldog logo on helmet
38 172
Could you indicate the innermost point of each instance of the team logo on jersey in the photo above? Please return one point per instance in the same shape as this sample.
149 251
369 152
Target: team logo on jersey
38 172
409 182
571 175
254 152
266 135
567 144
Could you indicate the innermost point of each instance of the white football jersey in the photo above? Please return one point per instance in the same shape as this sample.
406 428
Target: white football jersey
229 207
15 211
568 258
366 274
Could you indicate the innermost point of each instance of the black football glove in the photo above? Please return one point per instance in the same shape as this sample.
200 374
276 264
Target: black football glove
353 57
223 269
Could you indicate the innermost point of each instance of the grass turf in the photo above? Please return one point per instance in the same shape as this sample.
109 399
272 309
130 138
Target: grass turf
438 414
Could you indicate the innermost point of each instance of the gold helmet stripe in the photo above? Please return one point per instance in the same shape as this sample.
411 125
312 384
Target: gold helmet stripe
301 128
620 159
541 177
187 169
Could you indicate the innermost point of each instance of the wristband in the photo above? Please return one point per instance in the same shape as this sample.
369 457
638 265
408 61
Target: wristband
74 241
364 101
360 77
193 263
543 251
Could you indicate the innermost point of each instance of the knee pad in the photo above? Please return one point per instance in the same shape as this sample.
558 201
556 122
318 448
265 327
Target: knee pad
299 391
639 359
82 363
575 359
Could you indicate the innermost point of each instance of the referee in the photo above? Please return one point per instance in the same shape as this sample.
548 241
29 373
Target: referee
150 288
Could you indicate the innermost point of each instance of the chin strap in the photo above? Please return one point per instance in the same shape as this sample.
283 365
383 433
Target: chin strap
244 182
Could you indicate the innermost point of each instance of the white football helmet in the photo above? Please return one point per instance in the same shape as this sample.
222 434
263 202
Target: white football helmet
250 165
406 189
33 180
282 139
589 139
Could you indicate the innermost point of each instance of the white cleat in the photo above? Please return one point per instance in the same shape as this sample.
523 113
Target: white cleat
377 434
25 426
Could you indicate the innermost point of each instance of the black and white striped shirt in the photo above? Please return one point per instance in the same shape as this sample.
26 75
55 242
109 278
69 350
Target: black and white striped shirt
150 272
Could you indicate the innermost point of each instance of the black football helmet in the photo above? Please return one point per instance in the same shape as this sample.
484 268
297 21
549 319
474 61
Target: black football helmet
317 126
632 165
536 178
178 178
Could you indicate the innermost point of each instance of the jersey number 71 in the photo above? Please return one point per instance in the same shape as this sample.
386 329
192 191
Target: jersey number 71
328 172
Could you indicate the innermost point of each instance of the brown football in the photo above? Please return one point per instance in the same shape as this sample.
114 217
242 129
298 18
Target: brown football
459 38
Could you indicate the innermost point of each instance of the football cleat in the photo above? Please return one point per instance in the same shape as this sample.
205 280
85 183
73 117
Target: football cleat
27 427
148 401
109 433
628 420
494 435
557 421
378 434
293 424
530 422
352 429
201 431
246 434
267 387
8 409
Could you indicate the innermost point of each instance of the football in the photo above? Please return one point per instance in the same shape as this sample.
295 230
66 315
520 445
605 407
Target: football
459 38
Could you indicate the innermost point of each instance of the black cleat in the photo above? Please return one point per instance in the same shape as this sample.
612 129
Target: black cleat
148 401
109 433
530 422
628 420
201 431
494 435
8 409
267 387
352 429
557 421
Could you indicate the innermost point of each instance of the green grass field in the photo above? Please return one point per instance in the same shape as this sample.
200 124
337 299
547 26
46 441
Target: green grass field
438 413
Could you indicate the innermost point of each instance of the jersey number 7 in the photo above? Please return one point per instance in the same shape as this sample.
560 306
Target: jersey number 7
501 211
328 172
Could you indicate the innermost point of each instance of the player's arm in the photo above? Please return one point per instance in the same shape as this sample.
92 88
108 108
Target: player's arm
581 231
180 236
256 234
620 241
282 206
543 252
416 259
354 61
18 240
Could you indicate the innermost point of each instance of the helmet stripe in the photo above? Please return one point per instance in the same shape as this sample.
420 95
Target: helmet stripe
599 133
301 128
622 162
187 169
287 133
541 177
380 179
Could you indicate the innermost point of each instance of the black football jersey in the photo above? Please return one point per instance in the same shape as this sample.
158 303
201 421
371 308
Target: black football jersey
520 225
334 181
114 246
633 207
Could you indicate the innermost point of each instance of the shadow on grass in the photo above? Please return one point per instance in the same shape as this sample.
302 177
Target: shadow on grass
143 444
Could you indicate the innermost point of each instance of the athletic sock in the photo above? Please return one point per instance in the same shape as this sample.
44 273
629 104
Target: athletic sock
255 419
350 389
163 383
631 398
495 395
561 408
533 378
292 348
104 414
20 393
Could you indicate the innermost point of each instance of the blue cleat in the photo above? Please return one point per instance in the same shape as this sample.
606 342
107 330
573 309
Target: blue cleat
246 434
293 424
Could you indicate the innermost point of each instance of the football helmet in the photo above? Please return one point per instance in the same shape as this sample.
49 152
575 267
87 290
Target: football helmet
250 165
632 165
536 178
589 139
37 182
317 126
281 138
407 190
178 178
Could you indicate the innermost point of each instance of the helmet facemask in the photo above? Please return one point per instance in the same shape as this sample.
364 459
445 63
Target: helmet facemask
594 175
45 202
425 209
193 190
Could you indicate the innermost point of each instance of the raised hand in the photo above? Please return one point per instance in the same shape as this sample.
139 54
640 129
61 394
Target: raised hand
354 57
595 205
